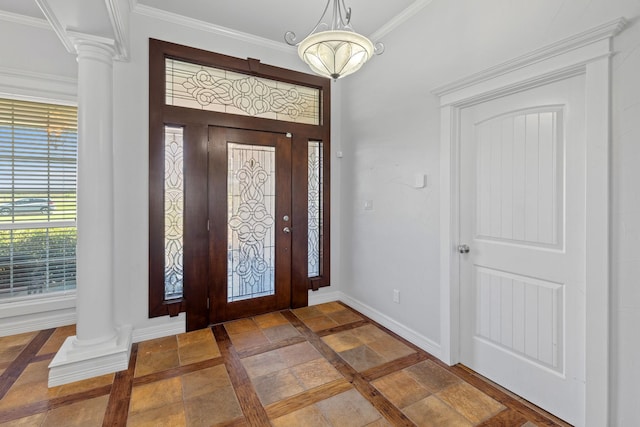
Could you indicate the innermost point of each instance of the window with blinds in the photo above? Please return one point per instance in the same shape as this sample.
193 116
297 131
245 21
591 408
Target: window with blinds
38 166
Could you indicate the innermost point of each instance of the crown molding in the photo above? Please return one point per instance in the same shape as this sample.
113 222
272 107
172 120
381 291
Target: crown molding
399 19
55 23
120 31
197 24
38 86
175 18
24 20
595 34
66 35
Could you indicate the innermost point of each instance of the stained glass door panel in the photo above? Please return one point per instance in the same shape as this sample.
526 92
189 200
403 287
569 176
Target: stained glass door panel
250 238
250 219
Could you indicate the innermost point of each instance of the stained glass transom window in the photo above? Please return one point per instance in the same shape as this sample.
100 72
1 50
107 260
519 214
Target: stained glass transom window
315 204
251 218
173 212
207 88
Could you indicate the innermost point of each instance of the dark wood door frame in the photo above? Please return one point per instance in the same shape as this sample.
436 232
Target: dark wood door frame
196 124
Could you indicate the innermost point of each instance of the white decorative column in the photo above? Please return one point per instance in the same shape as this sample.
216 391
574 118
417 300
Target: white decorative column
99 347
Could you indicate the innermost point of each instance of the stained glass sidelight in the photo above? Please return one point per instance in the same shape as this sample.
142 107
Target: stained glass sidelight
173 212
251 217
315 209
207 88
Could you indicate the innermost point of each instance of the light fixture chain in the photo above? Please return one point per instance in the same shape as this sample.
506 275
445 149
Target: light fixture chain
292 39
348 14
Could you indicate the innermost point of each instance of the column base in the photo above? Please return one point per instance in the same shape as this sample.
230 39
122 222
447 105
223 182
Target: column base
75 362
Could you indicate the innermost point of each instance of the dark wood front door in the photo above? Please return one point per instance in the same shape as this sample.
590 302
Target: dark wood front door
250 222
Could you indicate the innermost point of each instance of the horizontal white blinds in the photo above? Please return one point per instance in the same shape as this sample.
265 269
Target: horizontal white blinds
38 167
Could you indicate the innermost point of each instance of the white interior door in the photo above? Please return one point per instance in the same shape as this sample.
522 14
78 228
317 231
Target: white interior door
522 214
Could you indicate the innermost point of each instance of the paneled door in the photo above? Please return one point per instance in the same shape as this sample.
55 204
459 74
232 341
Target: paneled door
249 220
522 257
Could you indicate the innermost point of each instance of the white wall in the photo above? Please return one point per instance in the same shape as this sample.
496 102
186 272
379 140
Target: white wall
391 131
625 211
131 160
388 131
34 50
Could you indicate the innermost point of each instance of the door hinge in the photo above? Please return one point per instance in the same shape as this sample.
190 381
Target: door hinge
208 229
207 303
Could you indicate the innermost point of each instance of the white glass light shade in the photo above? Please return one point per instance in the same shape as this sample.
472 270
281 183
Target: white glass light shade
335 53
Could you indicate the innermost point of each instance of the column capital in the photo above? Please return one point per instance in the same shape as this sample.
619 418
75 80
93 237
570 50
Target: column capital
89 46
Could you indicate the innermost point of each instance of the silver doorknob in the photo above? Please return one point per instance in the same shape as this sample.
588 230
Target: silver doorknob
286 230
463 249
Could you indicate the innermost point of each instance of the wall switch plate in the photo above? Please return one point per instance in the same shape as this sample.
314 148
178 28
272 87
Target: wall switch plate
396 296
368 205
339 154
420 180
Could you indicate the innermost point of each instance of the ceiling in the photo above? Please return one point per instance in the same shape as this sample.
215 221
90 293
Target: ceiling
27 8
271 19
267 19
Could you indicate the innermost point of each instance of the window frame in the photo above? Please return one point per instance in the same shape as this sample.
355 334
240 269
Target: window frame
161 115
32 302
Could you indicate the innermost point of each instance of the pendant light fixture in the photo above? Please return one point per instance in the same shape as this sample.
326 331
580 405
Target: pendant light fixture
333 49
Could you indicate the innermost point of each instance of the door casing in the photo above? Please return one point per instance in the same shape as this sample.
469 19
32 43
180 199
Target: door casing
586 53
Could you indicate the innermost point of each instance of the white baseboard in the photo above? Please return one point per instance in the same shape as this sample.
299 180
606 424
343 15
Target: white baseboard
74 362
159 331
316 298
405 332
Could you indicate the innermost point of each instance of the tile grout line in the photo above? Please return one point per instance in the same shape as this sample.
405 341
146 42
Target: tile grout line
20 363
255 414
47 405
307 398
117 410
177 371
392 366
361 385
269 347
342 328
327 352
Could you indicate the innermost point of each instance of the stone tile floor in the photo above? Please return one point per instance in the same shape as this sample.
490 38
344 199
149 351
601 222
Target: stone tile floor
324 365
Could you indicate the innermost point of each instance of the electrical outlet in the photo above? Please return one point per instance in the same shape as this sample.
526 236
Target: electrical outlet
396 296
